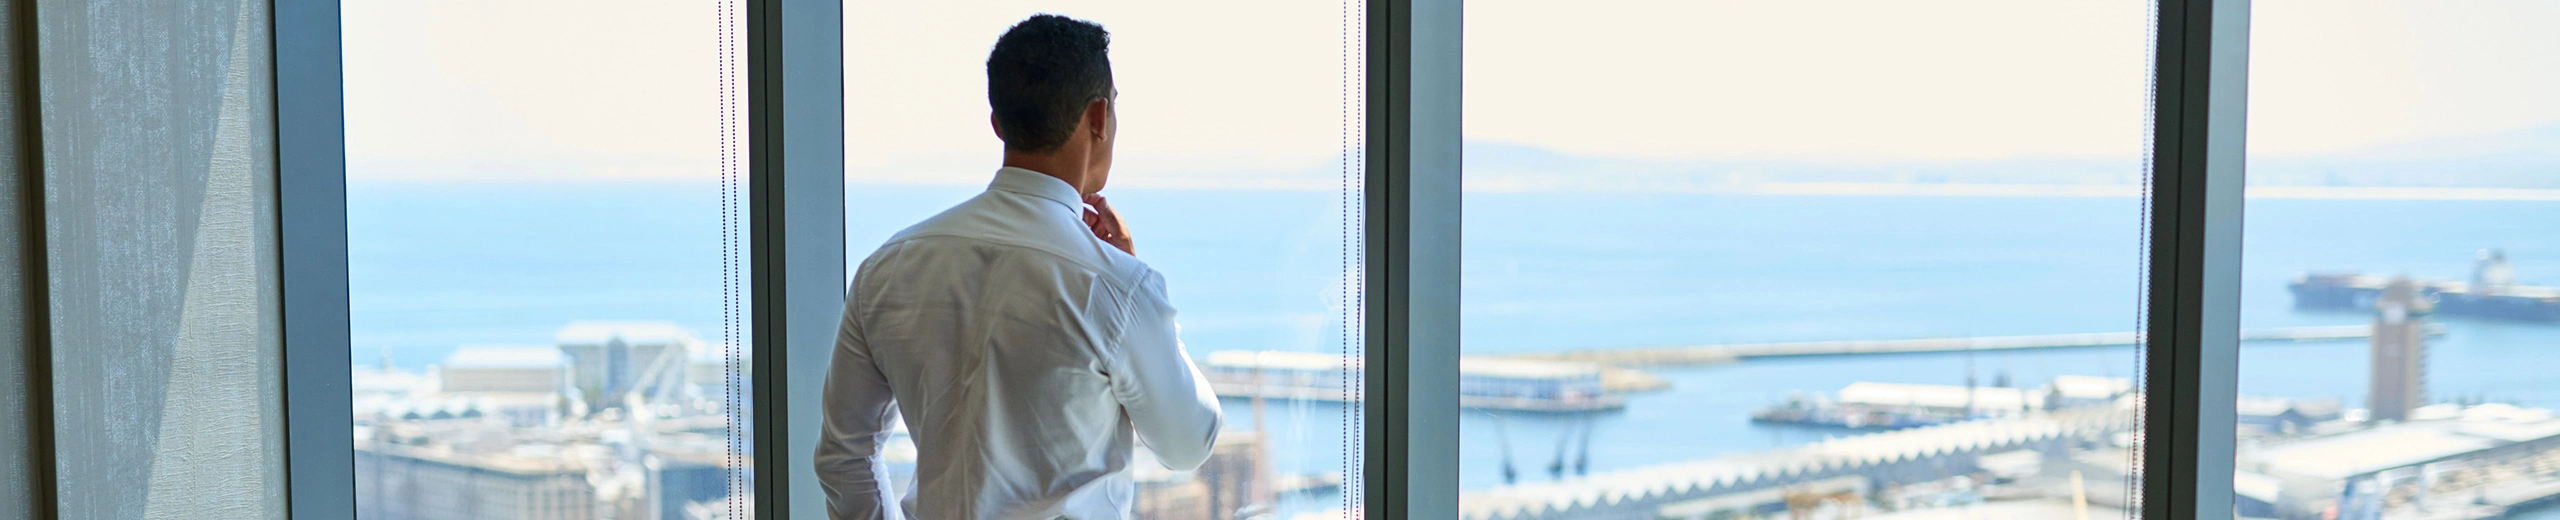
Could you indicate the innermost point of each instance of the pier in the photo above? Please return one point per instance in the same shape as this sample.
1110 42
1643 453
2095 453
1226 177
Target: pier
1700 355
1881 460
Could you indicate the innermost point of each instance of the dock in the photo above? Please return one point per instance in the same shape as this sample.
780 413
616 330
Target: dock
1702 355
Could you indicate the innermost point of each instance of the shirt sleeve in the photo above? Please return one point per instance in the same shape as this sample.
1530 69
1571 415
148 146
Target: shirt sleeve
858 408
1170 403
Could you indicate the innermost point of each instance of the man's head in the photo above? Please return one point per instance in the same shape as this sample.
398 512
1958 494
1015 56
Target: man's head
1049 84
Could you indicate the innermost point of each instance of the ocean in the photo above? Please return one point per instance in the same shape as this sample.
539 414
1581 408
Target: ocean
438 265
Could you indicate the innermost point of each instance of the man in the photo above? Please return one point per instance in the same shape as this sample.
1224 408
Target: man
1016 333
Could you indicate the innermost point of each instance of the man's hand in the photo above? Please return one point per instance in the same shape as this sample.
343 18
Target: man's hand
1106 224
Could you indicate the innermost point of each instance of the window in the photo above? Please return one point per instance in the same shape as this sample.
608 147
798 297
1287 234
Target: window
2401 199
1837 259
1238 168
546 255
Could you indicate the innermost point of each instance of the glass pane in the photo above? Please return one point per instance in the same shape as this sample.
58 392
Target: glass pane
1830 259
1237 168
545 249
2402 196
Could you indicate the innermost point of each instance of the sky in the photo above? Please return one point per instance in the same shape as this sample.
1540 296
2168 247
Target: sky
585 89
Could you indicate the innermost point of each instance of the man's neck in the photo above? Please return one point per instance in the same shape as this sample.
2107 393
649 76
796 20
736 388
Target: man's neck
1051 164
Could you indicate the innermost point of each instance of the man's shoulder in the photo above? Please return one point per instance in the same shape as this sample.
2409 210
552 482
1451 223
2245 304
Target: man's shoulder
1120 271
1023 231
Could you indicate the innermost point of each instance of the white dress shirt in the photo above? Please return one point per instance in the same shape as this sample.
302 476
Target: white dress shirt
1021 351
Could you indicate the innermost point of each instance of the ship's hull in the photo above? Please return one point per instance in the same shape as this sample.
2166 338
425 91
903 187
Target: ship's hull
2452 299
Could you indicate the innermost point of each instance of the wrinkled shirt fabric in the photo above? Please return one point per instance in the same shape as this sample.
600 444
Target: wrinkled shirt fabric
1024 356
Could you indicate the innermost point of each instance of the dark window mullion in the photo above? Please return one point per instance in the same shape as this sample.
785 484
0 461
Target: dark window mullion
2199 110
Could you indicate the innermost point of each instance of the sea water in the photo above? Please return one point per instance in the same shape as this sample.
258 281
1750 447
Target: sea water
438 265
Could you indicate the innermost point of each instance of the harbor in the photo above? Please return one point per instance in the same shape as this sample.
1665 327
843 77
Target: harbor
2412 450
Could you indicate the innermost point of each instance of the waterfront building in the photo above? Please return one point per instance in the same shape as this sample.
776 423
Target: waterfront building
512 369
2399 382
1483 382
2445 461
2282 415
2082 391
1507 384
611 362
1284 375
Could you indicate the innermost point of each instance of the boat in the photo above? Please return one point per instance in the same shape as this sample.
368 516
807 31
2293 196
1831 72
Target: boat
2492 293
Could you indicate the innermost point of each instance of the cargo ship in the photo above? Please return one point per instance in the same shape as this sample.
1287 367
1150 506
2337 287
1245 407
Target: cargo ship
2491 293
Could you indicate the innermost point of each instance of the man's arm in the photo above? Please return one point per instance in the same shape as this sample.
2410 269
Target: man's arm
1175 411
858 407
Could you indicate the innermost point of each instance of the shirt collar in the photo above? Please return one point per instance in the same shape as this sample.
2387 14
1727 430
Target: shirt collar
1037 184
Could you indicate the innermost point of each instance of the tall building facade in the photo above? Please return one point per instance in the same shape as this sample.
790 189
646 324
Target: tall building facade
2399 382
611 361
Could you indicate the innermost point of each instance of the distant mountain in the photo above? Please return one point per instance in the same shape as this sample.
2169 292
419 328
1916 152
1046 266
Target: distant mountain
2522 159
1517 165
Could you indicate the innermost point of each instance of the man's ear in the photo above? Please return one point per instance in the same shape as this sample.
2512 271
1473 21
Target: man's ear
998 127
1096 114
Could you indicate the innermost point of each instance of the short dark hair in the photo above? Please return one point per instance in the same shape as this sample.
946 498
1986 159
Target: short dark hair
1040 76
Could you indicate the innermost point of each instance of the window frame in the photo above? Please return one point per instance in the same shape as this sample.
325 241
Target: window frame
1412 229
2191 360
311 186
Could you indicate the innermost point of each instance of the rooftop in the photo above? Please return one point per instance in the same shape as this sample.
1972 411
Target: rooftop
504 356
2407 444
1689 480
2091 387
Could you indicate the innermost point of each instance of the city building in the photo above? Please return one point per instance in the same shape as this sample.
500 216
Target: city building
614 362
1234 484
1506 384
2399 351
687 477
2285 416
2443 461
438 482
2080 391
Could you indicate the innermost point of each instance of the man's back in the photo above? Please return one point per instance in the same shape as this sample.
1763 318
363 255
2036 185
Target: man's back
1022 352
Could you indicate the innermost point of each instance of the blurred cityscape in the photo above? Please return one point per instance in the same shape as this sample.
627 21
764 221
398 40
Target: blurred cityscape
2069 448
634 421
612 420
